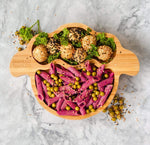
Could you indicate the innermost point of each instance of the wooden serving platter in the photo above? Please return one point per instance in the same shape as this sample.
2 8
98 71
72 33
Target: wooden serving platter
124 62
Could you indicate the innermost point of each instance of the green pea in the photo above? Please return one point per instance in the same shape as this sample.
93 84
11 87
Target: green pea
38 72
60 80
87 111
47 84
93 95
110 110
91 87
76 83
55 78
49 88
52 95
95 88
54 105
117 112
52 89
77 108
115 101
113 119
84 69
78 86
92 110
56 82
19 49
67 107
94 98
112 114
60 84
52 75
93 74
119 116
115 107
23 27
90 107
17 33
106 76
60 75
121 107
121 101
95 84
56 89
49 93
88 73
104 110
70 84
77 78
94 68
21 42
102 93
97 92
74 86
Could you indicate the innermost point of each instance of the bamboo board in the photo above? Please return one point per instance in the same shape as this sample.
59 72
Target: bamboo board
124 62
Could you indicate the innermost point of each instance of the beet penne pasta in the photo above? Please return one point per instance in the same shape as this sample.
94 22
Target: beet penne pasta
68 112
39 87
72 92
47 77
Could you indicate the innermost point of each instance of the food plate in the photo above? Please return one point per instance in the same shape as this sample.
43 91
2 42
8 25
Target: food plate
124 62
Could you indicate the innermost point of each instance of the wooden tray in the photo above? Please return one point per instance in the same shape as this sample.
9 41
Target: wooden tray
124 62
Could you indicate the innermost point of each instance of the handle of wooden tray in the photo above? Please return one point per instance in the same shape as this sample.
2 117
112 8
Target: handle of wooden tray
22 63
128 62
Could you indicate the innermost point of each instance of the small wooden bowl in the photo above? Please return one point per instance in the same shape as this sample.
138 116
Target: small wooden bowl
124 62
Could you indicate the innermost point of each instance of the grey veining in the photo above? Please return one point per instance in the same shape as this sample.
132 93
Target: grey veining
23 121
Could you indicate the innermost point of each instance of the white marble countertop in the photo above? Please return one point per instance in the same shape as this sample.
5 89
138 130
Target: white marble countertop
24 122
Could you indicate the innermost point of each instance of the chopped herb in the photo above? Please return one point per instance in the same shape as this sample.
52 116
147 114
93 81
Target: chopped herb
92 52
76 44
65 32
64 41
53 57
26 33
62 36
41 39
70 61
56 36
103 40
82 34
88 31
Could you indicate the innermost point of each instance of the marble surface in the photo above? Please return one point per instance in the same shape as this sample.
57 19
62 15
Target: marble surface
23 121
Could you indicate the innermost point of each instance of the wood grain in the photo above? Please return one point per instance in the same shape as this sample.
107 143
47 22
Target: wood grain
124 62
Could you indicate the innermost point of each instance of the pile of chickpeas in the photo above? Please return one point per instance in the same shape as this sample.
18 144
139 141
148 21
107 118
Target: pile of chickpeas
115 110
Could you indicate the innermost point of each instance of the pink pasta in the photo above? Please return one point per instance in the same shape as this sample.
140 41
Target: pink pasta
52 69
47 77
59 104
66 89
39 87
68 112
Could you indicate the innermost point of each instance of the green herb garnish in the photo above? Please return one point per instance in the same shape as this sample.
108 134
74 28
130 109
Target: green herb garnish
26 33
76 44
62 37
56 37
92 52
41 39
53 57
65 32
88 31
70 61
103 40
